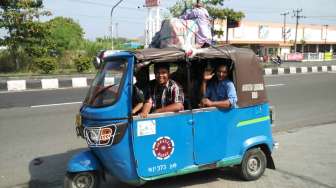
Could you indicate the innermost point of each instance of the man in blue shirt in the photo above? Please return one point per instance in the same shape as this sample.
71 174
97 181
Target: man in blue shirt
219 91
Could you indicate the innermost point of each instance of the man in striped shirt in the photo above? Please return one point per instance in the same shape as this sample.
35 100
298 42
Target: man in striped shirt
164 94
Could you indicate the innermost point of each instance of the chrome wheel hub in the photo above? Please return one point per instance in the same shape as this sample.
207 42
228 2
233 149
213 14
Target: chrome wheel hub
253 165
85 180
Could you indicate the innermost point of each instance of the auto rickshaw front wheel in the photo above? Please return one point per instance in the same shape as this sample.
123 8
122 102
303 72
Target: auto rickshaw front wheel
253 165
81 180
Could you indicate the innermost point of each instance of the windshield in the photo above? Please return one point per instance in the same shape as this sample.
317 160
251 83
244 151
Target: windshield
107 83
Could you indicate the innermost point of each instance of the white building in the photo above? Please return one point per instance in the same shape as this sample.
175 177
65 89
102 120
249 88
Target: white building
267 39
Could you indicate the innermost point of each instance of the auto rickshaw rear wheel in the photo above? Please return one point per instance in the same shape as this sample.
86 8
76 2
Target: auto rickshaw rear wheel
253 165
81 180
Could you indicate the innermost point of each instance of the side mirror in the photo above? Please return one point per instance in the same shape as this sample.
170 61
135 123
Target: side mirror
96 62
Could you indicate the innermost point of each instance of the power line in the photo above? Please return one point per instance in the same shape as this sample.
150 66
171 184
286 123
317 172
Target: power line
105 4
128 19
321 16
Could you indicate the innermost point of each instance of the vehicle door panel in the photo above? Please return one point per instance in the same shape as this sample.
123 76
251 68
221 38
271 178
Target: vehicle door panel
212 128
152 135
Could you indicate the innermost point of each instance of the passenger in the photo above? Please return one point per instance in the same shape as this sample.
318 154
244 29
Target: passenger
218 92
138 97
202 19
164 95
138 100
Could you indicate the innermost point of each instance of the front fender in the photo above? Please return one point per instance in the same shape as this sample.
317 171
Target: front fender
84 161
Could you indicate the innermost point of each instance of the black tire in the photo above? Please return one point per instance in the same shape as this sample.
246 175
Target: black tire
81 180
253 165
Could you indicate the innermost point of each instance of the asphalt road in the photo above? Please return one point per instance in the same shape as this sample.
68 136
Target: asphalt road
37 142
298 100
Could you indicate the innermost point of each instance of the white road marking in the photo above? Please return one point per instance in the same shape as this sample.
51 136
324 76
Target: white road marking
16 85
304 69
58 104
275 85
268 71
69 103
79 82
281 70
49 83
292 70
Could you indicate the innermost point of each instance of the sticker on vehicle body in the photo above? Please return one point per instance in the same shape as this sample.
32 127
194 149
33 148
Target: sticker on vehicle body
163 148
247 87
258 87
254 95
145 128
253 87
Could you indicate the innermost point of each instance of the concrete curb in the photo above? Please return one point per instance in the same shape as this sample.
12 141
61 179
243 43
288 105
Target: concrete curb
78 82
298 70
45 83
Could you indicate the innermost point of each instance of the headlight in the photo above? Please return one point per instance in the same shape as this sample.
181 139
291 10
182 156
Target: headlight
79 126
78 121
100 136
93 135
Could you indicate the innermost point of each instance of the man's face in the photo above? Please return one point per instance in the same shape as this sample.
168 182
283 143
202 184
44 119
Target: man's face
162 76
222 72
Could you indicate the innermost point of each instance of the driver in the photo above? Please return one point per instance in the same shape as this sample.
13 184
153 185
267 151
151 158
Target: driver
164 94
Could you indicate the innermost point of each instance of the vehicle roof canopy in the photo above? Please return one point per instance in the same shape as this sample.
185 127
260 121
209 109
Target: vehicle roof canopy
248 75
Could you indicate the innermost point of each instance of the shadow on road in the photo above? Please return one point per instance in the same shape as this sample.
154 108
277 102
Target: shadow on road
49 171
199 178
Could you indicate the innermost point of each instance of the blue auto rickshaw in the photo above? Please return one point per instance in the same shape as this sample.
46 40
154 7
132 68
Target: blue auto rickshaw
136 150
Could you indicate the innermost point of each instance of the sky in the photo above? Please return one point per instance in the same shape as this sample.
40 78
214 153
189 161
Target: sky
94 15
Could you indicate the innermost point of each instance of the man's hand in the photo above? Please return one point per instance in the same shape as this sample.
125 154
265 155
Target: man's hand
146 109
206 102
143 115
207 75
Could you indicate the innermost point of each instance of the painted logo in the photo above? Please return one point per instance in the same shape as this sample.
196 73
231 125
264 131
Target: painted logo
163 148
105 135
100 136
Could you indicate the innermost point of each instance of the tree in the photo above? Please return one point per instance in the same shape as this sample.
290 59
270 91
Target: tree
66 33
20 18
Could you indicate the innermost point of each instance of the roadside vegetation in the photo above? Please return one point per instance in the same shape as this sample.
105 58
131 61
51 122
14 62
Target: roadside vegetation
57 46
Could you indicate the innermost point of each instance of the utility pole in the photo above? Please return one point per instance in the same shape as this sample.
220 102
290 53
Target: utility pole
325 41
284 26
111 23
117 33
296 13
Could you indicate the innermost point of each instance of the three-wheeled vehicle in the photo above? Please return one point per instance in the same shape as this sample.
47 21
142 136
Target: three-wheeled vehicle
136 150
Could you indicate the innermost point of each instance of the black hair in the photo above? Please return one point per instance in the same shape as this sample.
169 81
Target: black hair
157 66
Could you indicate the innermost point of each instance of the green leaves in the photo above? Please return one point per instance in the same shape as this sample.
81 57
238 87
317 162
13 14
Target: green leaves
25 32
66 33
46 64
82 63
225 13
